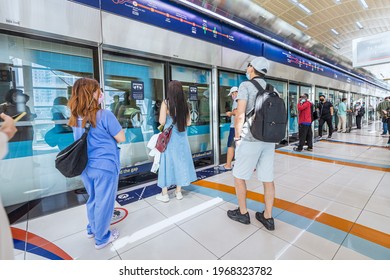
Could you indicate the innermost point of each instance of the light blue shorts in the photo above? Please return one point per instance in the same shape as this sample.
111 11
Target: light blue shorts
254 155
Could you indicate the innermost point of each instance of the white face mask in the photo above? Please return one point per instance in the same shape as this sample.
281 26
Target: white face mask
101 98
248 76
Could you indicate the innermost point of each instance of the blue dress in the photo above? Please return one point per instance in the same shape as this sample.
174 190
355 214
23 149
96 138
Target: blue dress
176 164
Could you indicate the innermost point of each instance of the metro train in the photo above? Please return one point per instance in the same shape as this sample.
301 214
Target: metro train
113 43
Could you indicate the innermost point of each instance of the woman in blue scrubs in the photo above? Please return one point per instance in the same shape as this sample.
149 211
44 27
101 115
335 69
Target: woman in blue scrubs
101 174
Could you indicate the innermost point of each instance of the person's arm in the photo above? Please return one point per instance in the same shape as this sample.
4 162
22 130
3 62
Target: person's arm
303 106
331 110
163 113
239 117
120 137
188 119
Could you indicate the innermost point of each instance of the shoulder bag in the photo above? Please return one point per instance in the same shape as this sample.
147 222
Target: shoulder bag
72 160
163 139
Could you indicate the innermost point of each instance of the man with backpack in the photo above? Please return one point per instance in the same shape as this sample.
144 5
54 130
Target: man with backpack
252 153
305 119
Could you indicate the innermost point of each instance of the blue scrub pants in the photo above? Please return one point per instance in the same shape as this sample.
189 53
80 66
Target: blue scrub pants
101 186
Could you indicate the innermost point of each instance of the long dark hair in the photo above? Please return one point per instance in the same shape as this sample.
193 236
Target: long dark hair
177 105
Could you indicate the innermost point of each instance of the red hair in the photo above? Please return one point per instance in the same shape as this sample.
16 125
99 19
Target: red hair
82 102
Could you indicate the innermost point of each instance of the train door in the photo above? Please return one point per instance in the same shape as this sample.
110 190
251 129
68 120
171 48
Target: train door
134 90
197 88
292 111
318 92
227 80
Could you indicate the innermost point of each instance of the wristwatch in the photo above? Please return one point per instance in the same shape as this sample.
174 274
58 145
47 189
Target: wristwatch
237 139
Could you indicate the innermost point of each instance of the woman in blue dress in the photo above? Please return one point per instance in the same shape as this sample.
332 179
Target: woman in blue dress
176 164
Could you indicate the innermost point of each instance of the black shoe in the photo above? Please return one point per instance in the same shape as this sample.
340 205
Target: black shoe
236 215
268 223
296 149
329 136
309 149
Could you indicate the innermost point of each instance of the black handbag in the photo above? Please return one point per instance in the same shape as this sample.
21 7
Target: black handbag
72 160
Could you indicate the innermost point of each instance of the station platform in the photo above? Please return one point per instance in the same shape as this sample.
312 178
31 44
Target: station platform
332 203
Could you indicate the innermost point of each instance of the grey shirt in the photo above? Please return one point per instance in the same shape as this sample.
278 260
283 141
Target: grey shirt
247 91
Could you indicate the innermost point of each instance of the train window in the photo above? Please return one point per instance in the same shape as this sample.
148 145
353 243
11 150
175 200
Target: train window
36 78
198 81
134 90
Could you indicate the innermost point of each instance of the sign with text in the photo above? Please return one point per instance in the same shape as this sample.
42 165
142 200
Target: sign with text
371 50
193 91
137 90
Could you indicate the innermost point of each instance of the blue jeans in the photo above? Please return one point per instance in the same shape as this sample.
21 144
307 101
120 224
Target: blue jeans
385 126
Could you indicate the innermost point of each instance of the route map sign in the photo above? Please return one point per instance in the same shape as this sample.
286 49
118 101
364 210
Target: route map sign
163 14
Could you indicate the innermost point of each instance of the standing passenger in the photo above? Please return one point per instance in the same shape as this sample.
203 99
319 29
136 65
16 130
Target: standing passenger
325 110
101 174
305 120
251 153
176 164
230 143
7 131
342 115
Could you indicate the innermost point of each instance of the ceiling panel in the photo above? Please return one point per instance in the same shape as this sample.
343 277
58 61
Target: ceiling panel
326 14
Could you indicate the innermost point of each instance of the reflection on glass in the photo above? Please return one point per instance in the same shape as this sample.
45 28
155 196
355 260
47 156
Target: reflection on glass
36 78
133 92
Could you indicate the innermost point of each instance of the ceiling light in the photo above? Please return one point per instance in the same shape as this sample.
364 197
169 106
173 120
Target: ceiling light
359 25
334 31
302 24
303 7
336 46
364 4
337 1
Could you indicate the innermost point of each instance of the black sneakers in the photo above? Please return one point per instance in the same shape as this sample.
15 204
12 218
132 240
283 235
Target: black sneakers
296 149
268 223
236 215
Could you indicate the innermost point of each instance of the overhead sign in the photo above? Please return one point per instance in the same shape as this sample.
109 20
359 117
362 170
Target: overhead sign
371 50
188 22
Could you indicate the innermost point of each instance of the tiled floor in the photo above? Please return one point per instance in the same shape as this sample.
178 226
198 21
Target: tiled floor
336 211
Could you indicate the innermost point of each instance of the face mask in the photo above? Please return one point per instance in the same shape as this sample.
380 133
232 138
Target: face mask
248 76
322 99
101 98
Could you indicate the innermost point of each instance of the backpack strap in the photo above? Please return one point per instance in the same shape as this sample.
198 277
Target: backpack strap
260 91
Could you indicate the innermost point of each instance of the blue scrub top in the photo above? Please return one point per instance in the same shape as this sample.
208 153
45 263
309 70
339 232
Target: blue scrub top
103 151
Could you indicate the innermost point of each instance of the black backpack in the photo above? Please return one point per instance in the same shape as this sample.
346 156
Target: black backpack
268 118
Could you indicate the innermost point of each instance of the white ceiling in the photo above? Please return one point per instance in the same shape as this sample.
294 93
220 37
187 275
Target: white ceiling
327 14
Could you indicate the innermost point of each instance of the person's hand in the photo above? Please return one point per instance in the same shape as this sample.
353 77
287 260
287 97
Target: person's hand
8 126
229 114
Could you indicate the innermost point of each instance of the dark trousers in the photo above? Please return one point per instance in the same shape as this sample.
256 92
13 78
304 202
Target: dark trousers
359 122
321 123
305 135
